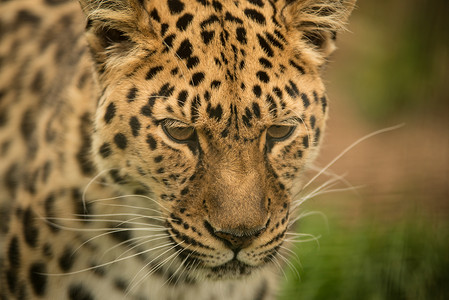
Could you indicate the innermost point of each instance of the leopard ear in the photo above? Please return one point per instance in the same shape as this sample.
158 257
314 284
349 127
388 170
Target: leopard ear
316 23
113 26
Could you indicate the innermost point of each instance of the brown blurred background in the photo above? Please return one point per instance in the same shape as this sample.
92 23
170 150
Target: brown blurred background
390 239
392 67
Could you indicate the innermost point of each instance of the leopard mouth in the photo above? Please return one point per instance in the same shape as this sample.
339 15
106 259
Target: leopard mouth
233 268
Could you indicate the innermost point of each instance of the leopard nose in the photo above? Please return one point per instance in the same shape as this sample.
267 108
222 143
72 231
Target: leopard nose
236 239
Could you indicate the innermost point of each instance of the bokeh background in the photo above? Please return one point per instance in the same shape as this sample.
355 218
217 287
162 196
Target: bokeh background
389 238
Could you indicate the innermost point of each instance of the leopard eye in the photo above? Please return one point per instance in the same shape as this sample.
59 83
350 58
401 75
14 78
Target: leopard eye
178 132
279 132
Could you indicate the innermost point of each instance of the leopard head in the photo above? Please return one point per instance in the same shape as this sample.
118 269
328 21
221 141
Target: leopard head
214 109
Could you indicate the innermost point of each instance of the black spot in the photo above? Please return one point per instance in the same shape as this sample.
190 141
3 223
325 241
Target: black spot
151 142
51 213
115 175
323 103
241 35
265 62
105 150
317 136
38 82
135 125
257 2
25 16
30 230
297 67
121 284
263 76
294 87
272 105
146 110
255 15
131 96
216 112
215 84
83 155
312 121
265 46
79 292
164 28
110 112
184 191
246 118
212 19
3 117
120 140
153 71
185 49
274 41
121 233
229 17
305 100
14 253
184 21
158 159
175 6
37 278
56 2
305 141
155 15
168 42
194 108
27 124
165 91
67 259
256 110
192 62
290 91
257 91
182 97
217 5
197 78
207 36
11 181
11 278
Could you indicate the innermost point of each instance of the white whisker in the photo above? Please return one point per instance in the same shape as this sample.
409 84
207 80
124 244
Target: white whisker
135 283
306 214
347 149
128 196
290 265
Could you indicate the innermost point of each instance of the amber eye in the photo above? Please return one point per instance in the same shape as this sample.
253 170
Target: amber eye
279 132
178 131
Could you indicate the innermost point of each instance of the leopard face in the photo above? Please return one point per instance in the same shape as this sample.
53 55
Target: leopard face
214 109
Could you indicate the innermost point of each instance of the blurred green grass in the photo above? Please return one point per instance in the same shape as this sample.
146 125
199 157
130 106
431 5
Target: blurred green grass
395 58
406 259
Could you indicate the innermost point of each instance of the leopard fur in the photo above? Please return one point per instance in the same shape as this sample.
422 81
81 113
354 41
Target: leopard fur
150 149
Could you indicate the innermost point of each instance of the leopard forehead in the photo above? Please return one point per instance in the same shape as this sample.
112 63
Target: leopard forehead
218 65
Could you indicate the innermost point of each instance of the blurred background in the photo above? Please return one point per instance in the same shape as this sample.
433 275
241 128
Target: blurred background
389 238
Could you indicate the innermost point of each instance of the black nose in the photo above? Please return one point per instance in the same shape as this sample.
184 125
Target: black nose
236 239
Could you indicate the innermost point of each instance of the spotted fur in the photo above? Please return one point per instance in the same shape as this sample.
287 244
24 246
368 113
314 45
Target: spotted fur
100 198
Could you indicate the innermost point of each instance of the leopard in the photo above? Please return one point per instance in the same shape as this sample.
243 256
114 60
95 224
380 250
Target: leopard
152 149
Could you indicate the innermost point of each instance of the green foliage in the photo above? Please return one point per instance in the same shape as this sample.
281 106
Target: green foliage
406 260
398 58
